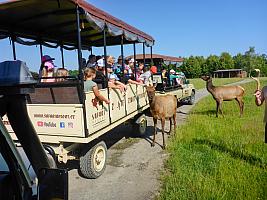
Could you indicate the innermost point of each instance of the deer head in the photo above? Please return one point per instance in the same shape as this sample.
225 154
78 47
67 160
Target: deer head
206 78
150 92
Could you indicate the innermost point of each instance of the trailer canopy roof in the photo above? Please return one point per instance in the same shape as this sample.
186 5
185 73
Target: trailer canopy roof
157 56
54 21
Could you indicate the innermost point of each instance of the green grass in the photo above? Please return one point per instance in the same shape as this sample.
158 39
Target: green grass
218 158
199 83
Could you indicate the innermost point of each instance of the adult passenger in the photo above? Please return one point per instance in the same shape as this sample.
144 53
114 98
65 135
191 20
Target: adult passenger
146 76
91 61
100 73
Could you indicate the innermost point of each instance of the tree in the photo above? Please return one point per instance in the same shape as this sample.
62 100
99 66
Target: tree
73 72
226 61
213 63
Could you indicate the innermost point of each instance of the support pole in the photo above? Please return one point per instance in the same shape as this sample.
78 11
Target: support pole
144 54
151 56
79 43
105 52
62 56
106 64
80 77
122 55
135 76
41 51
14 48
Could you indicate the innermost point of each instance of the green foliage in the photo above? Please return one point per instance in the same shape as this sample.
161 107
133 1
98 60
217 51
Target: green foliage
218 158
194 66
35 75
73 72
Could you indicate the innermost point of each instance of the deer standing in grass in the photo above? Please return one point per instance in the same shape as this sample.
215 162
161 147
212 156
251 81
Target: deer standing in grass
162 107
225 93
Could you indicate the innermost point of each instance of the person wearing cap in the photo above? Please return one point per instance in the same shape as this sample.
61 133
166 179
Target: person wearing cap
100 73
47 69
115 84
113 80
153 69
174 78
90 85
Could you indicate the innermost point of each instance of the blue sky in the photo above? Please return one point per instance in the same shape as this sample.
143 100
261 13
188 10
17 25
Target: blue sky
180 28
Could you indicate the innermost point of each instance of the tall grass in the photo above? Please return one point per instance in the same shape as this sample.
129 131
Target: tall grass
199 83
218 158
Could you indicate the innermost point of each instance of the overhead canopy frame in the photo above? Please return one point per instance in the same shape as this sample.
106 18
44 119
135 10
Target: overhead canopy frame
54 21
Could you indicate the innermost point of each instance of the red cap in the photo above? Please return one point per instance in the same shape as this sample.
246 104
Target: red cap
154 69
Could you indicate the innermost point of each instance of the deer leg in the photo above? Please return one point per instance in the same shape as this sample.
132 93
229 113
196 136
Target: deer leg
170 125
174 121
155 132
241 105
217 108
163 124
220 108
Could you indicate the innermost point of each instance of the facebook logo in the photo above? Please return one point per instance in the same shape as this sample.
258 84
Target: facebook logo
62 125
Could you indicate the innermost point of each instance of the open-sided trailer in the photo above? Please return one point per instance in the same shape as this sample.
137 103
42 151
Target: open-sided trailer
65 117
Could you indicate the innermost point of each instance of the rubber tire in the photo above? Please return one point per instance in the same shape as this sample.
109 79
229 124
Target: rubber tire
87 168
140 128
192 98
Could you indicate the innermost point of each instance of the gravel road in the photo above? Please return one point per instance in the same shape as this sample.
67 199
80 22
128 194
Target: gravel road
133 168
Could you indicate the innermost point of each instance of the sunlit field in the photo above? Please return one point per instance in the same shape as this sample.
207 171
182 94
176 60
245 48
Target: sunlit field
218 158
199 83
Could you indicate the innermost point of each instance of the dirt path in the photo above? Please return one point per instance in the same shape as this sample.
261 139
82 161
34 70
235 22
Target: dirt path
133 168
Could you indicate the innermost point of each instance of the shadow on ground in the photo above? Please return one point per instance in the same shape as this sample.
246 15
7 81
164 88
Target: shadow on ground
248 158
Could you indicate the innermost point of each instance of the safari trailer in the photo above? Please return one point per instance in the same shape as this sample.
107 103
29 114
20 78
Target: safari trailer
67 119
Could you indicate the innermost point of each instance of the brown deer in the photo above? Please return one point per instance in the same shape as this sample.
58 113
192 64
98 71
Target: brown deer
162 107
225 93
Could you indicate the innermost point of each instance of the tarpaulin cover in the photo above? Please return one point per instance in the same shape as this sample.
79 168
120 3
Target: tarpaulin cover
55 21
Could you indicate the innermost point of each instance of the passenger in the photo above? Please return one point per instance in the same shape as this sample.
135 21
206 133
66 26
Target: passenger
100 73
118 67
90 85
111 60
131 69
153 69
47 69
61 72
91 61
173 77
139 71
146 76
115 84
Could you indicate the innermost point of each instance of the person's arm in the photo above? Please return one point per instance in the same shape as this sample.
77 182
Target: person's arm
99 96
113 85
259 97
135 82
120 83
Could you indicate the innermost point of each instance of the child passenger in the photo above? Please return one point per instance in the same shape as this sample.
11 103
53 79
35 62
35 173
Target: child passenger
47 69
90 85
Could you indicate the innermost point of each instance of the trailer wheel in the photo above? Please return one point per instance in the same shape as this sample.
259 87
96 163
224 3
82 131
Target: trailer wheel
191 100
93 162
140 128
